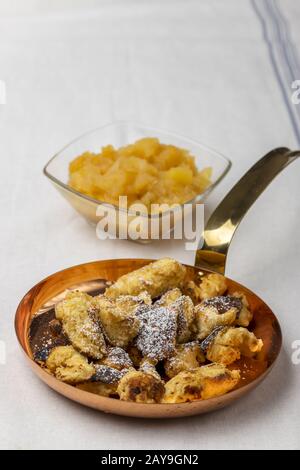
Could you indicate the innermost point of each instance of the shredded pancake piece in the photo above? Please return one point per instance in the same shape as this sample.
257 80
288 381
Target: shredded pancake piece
106 374
156 278
69 365
223 303
200 384
119 325
186 357
229 344
78 317
117 358
157 335
141 387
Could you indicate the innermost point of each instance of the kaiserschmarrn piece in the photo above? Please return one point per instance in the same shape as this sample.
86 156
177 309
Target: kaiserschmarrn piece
187 356
212 285
135 355
129 303
117 358
184 308
169 297
216 311
68 365
245 316
141 387
106 374
104 381
119 326
79 319
156 278
148 367
228 344
200 384
156 338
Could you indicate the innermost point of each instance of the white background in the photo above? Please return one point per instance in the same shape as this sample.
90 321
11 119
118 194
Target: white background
199 68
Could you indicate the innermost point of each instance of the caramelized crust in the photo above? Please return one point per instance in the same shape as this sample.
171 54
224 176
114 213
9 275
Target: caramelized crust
222 303
245 315
200 384
184 308
135 355
141 387
106 374
208 317
45 333
104 381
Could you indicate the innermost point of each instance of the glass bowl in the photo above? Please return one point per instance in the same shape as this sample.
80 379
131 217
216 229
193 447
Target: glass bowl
118 134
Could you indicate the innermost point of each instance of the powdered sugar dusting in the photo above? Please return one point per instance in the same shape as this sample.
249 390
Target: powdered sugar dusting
107 375
223 303
119 358
179 305
157 335
147 367
91 328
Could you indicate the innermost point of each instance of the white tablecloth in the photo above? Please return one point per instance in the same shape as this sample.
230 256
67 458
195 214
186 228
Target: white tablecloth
200 68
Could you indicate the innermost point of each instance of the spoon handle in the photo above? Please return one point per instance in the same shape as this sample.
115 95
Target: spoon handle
225 219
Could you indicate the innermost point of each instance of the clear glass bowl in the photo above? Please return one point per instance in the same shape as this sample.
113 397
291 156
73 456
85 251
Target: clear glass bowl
119 134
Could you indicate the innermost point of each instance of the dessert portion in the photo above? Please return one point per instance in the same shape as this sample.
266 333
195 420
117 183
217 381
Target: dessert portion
221 311
211 285
69 365
147 172
226 345
153 336
199 384
120 325
78 318
141 387
155 278
184 308
187 356
117 358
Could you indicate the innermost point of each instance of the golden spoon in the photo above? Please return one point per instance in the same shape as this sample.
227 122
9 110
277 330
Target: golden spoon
226 218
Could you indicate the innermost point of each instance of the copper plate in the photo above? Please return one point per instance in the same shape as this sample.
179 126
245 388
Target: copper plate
89 277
